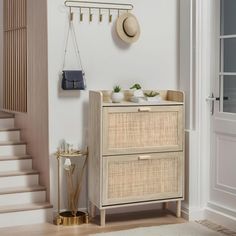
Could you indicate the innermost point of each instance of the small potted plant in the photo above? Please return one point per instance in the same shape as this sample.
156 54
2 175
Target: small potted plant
137 91
117 96
152 96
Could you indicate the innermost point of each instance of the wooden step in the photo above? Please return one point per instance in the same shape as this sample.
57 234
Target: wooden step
22 198
9 129
4 115
34 188
15 179
20 157
25 207
15 165
9 143
27 214
9 135
10 149
7 123
18 173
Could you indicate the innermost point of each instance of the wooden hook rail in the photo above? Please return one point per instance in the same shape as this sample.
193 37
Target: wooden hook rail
98 5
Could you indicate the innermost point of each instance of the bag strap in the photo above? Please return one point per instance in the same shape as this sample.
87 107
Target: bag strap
71 29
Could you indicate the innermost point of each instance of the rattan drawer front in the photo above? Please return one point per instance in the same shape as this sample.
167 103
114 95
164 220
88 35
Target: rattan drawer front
142 129
136 178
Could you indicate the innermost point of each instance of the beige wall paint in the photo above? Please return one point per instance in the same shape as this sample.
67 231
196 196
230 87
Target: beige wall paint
34 124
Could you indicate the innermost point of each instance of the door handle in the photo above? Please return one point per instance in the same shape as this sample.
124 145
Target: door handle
224 98
212 100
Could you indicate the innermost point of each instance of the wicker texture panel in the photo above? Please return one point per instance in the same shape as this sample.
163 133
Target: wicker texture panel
140 178
151 129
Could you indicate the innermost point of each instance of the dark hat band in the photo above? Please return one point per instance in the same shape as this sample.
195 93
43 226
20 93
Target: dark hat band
123 25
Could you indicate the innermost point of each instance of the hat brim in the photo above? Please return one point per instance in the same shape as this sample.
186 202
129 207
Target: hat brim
120 30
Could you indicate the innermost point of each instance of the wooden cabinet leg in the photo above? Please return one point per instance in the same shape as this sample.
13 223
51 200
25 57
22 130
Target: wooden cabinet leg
92 210
165 205
102 217
178 209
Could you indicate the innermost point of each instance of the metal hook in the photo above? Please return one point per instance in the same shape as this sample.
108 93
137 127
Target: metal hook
81 14
100 15
71 15
90 15
110 16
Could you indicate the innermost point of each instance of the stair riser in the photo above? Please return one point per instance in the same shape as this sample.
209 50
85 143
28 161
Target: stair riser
25 217
22 198
18 181
9 136
15 165
7 123
10 150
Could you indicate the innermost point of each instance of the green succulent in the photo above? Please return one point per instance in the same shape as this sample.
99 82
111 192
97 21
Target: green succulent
117 89
151 94
136 86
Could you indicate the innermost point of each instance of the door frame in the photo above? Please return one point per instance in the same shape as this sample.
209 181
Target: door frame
197 135
204 68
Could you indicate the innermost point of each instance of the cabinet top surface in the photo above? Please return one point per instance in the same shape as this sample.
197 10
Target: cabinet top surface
127 103
166 98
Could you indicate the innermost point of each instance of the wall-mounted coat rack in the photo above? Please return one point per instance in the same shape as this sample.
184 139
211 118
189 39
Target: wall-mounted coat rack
100 6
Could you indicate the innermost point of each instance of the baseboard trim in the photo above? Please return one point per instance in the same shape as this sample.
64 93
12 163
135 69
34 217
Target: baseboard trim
185 212
221 215
192 214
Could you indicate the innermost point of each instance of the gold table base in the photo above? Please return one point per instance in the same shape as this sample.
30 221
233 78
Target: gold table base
67 219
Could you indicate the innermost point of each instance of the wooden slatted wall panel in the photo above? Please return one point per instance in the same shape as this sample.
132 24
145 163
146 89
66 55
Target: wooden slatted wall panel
15 55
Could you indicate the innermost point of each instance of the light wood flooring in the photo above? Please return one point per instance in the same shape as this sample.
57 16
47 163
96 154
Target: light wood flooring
114 223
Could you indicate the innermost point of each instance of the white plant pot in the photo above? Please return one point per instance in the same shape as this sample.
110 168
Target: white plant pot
154 99
117 97
138 93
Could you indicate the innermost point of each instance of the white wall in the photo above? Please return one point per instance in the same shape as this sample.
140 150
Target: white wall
153 61
1 53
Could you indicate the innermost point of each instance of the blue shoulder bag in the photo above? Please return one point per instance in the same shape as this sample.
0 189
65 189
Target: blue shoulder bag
73 79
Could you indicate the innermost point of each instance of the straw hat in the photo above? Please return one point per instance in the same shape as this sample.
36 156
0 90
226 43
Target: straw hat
127 28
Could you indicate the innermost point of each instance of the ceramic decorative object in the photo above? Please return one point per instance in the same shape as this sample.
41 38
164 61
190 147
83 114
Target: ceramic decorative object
117 96
137 92
152 96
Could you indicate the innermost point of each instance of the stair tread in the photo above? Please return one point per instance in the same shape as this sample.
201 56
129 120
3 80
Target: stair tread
8 143
20 157
9 129
25 207
33 188
4 115
18 173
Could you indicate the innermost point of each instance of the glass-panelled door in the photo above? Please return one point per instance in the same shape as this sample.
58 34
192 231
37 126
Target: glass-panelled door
223 119
227 40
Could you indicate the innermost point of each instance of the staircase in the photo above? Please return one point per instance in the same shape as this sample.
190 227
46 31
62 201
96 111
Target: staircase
22 199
